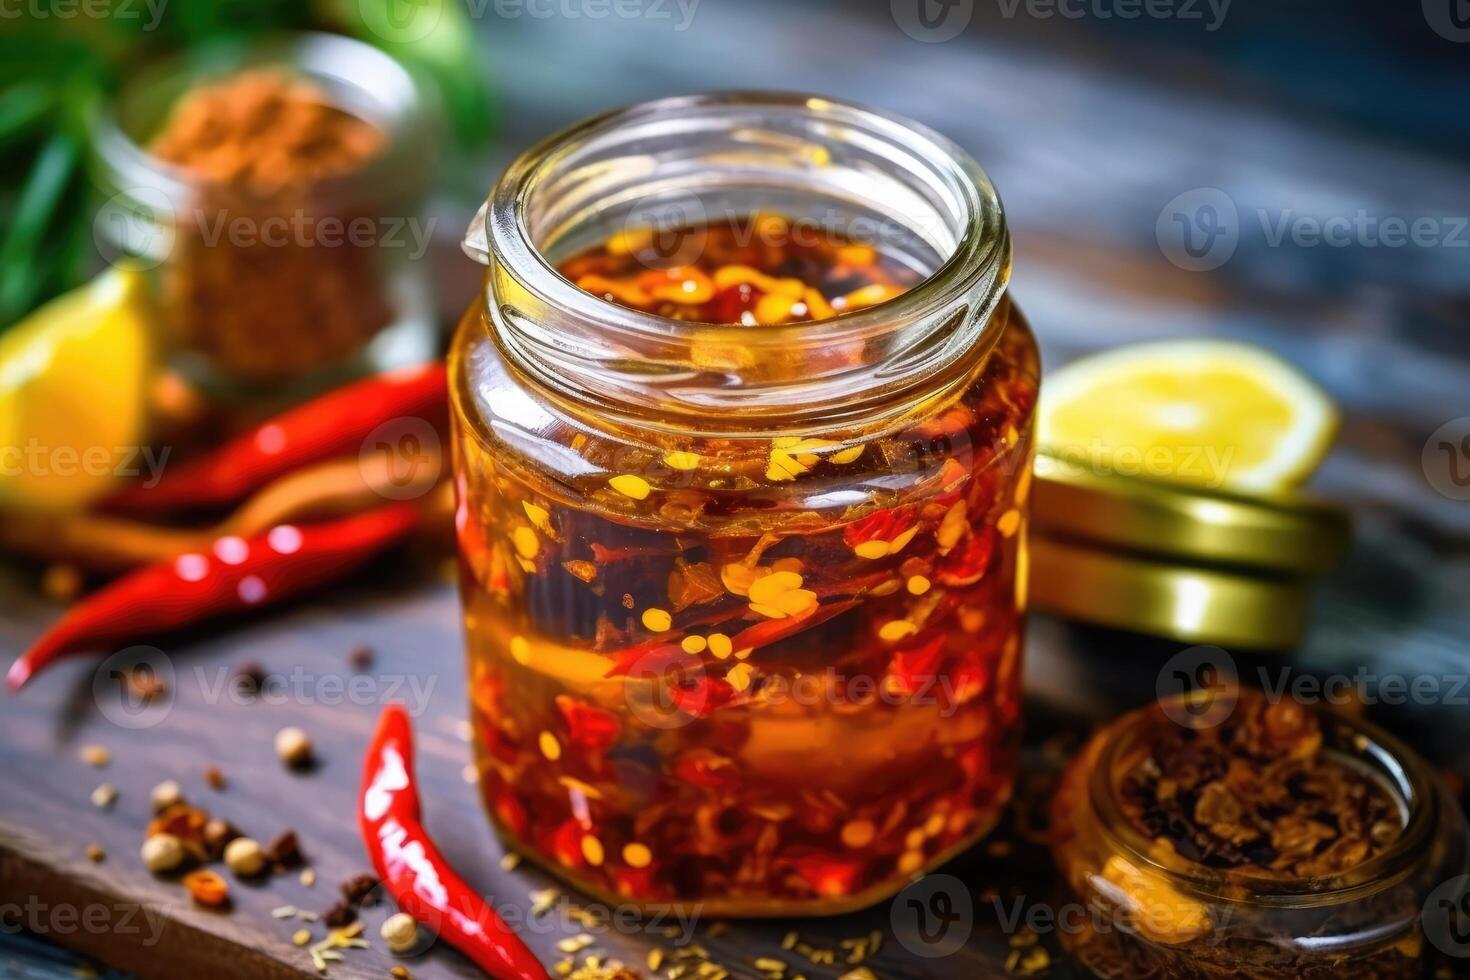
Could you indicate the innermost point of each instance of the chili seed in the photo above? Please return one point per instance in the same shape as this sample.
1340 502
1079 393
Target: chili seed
550 747
918 585
301 937
96 756
719 645
657 620
637 855
526 543
858 833
592 850
520 650
896 629
693 644
631 486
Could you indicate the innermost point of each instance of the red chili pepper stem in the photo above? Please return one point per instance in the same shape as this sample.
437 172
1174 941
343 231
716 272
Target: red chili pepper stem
233 576
413 871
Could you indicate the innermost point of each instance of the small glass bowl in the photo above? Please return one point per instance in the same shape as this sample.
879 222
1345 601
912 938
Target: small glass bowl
1145 911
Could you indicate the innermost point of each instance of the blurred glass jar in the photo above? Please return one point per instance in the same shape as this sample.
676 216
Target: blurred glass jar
1143 910
277 292
744 603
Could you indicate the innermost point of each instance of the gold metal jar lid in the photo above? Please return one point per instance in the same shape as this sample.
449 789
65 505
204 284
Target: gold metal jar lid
1168 559
1192 604
1194 525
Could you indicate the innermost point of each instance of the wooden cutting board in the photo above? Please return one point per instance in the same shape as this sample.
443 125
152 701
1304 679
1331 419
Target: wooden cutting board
117 913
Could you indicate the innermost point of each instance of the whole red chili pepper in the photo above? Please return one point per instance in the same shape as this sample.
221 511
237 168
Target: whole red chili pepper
236 574
330 425
413 871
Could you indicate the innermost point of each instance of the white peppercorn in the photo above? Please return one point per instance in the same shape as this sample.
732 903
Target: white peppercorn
162 853
400 932
293 746
166 794
245 857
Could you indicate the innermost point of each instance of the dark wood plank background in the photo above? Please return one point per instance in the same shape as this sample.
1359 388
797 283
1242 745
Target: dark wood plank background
1089 129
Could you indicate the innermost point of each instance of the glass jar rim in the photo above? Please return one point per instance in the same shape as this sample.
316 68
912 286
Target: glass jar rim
1410 780
982 244
972 261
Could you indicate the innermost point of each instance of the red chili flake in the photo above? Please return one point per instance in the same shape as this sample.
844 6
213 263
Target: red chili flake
967 563
914 668
655 656
774 630
702 767
970 677
829 877
592 728
885 525
565 843
700 694
730 302
511 813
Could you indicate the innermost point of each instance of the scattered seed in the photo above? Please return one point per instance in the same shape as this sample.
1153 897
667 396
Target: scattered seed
96 756
245 857
96 854
283 912
896 629
720 645
527 545
166 794
308 877
285 851
550 747
592 850
301 937
400 932
630 486
790 941
858 833
637 855
360 657
574 944
657 620
214 778
104 796
400 973
693 644
293 746
739 676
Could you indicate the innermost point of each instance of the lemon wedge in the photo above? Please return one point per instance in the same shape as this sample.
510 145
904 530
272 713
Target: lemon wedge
1210 412
73 394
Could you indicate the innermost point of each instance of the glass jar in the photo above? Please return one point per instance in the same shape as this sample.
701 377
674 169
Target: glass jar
275 295
1145 910
744 605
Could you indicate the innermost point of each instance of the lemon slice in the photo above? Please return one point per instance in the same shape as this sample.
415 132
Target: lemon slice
73 393
1211 412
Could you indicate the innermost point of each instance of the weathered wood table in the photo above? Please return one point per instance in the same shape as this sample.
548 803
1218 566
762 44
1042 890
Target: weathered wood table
1087 155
